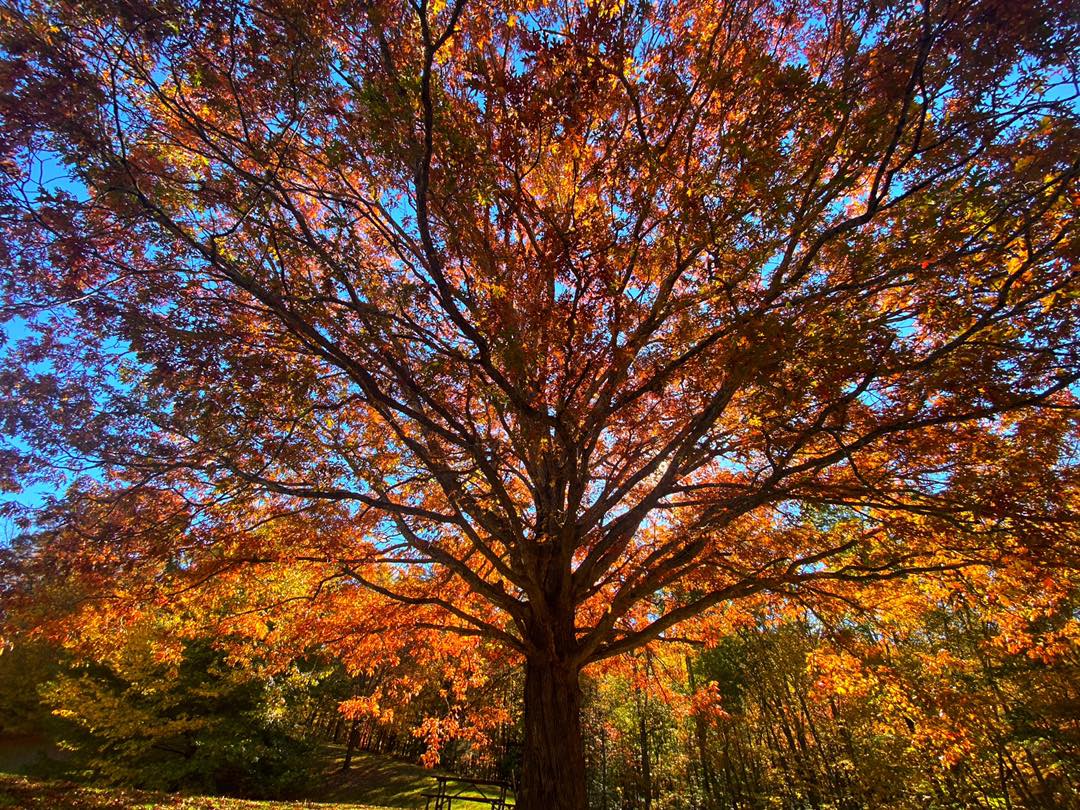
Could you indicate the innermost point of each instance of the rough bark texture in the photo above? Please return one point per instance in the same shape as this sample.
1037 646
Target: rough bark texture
553 767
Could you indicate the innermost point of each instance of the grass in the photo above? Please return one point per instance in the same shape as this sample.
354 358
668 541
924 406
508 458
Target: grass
374 779
383 781
31 755
29 794
32 776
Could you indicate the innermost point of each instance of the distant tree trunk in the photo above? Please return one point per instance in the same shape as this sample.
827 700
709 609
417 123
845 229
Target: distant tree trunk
646 762
350 743
701 735
553 764
734 782
603 770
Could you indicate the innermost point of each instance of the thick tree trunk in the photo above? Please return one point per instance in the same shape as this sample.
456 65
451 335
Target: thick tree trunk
553 764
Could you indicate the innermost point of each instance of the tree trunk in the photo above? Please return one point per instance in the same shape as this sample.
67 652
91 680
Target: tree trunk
553 764
350 743
701 735
646 757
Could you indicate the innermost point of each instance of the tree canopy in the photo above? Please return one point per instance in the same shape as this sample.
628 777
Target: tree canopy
562 324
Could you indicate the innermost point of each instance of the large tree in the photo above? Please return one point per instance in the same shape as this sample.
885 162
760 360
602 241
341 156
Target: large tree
574 308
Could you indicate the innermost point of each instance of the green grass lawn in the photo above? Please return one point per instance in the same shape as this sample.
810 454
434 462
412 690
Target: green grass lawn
373 779
379 780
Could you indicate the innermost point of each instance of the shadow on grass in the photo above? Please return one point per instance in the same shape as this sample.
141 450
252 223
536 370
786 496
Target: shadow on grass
33 755
377 779
36 794
33 775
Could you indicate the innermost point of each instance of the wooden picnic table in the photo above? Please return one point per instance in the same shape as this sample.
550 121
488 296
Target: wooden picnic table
449 789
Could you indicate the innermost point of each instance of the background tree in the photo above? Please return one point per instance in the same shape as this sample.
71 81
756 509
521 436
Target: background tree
196 723
563 313
183 671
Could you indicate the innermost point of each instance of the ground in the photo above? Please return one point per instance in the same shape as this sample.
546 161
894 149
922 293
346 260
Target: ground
31 778
377 780
29 794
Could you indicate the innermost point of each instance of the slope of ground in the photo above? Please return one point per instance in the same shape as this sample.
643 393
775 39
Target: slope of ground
380 780
32 755
34 794
32 775
374 779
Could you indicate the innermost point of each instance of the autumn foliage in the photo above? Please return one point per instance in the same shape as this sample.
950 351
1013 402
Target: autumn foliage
540 333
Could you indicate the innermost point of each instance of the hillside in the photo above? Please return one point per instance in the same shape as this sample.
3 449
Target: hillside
27 794
32 774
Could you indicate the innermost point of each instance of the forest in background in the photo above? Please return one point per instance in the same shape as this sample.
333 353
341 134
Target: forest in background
955 691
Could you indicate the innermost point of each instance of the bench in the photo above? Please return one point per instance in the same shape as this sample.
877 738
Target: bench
451 789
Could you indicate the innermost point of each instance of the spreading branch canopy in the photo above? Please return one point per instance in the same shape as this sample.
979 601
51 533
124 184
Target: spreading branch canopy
577 309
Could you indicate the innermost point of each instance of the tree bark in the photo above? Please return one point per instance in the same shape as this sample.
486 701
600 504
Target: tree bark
646 756
350 743
553 765
701 735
